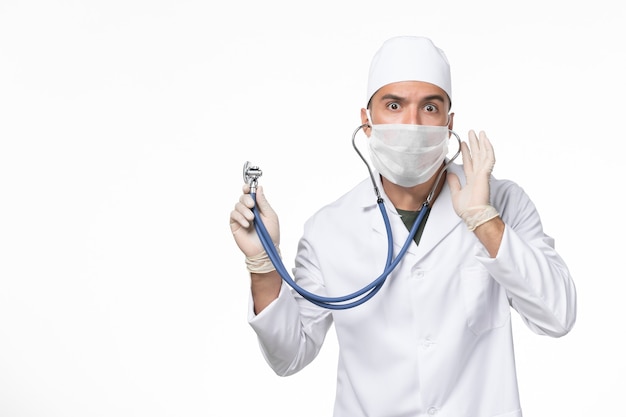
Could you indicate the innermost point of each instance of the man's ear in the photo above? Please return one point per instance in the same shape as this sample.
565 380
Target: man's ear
364 120
451 121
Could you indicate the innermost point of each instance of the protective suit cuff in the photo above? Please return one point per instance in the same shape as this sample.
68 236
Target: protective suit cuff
483 255
252 317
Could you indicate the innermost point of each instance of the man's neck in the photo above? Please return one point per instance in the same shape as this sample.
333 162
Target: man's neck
412 198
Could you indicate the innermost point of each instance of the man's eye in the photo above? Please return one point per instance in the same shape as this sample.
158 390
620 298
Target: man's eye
393 106
430 108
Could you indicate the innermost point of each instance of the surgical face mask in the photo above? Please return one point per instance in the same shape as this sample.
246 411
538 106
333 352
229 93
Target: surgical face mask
408 155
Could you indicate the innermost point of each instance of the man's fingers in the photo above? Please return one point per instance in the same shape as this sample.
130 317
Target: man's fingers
473 141
468 166
246 201
237 221
453 183
242 211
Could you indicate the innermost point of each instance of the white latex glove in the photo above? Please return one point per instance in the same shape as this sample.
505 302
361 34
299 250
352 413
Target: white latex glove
241 222
471 202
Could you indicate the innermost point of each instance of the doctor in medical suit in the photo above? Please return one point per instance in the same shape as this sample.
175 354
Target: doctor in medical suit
436 339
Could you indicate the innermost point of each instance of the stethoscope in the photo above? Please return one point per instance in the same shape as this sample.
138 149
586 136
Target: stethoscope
251 174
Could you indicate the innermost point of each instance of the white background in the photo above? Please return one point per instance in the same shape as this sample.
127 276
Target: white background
124 126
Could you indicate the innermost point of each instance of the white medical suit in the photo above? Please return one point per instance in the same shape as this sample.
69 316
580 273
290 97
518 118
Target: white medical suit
436 339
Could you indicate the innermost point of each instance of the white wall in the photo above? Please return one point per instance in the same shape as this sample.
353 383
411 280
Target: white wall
124 126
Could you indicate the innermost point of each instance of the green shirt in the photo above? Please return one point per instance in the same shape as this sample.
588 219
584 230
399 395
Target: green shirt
408 218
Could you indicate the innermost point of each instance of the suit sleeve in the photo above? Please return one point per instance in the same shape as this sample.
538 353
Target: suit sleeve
535 277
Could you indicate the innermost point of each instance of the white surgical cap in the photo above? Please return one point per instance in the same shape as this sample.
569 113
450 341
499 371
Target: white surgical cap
409 58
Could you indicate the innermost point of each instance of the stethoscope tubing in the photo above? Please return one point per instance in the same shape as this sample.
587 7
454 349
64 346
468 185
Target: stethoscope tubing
365 293
358 297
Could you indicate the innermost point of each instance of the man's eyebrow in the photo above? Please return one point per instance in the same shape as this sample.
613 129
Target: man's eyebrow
435 97
392 97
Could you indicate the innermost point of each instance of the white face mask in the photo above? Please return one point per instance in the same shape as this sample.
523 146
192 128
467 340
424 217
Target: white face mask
408 155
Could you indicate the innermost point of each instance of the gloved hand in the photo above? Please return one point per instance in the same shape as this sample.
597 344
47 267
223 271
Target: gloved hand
242 227
471 202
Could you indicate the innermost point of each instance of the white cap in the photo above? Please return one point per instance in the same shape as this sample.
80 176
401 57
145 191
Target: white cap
409 58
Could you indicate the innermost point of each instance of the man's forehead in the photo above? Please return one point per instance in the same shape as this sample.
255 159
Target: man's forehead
410 90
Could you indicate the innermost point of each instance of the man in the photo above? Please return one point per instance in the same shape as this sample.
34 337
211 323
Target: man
436 339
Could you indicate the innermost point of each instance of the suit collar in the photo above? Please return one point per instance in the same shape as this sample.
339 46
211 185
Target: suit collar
442 218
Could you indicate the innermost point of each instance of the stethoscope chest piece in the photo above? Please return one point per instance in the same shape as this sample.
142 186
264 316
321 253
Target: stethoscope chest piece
251 175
